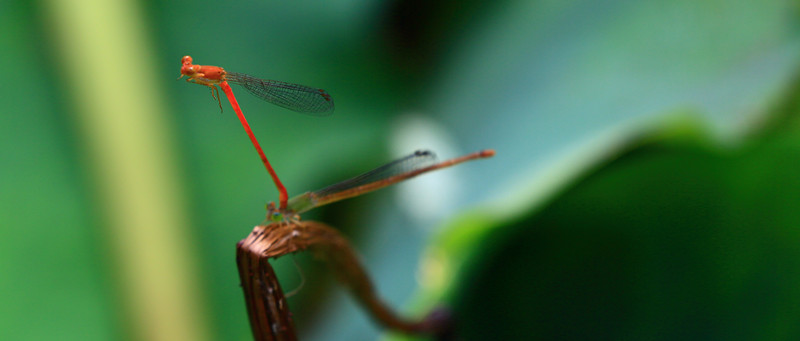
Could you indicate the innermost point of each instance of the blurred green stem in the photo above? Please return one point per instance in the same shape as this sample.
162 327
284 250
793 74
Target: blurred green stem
105 59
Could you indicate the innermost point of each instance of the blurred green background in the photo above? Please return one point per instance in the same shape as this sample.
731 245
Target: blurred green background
645 184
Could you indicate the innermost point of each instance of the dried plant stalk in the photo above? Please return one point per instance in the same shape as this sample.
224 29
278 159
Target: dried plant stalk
270 318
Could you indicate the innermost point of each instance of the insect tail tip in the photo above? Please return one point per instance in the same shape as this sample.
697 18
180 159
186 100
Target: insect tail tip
487 153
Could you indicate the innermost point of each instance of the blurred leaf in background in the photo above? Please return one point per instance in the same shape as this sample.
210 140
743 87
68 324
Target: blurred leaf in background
673 238
600 215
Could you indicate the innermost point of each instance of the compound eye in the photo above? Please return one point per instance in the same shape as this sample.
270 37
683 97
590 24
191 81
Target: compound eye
186 60
191 71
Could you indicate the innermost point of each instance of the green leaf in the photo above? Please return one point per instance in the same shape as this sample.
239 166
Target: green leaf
675 238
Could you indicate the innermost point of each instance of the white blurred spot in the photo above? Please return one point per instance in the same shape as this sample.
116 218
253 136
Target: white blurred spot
429 197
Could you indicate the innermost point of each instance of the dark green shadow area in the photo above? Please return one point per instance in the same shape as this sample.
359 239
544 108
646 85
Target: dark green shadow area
676 239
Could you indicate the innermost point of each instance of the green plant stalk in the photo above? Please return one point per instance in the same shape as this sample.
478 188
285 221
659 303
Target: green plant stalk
105 61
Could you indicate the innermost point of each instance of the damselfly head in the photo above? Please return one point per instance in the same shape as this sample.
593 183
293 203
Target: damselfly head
276 215
273 214
190 70
187 69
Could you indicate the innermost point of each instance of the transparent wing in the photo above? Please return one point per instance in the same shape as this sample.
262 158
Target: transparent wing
295 97
418 160
422 161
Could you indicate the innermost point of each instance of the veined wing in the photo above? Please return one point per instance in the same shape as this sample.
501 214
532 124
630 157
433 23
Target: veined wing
295 97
